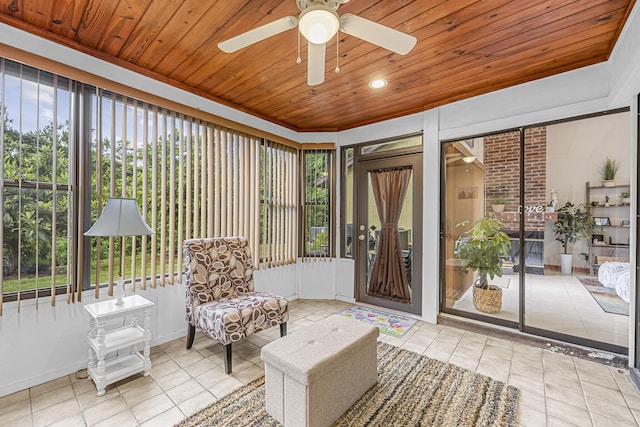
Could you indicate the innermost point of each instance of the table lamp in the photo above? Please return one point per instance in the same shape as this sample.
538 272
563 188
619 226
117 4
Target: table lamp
120 217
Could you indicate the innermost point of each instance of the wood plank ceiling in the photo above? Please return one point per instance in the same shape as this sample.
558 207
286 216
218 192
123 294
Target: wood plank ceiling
465 48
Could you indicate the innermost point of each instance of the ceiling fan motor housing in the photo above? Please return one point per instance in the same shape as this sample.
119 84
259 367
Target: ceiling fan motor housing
329 4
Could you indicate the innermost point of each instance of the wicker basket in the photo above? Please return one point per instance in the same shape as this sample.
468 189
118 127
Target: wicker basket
487 300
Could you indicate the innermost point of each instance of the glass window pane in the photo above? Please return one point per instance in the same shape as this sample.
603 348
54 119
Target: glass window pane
396 144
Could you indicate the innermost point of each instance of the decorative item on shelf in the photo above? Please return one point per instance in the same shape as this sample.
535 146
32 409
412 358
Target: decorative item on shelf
551 207
498 205
119 218
483 249
608 172
626 198
574 224
606 201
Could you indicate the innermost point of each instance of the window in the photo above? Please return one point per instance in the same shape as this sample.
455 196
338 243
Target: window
278 201
37 207
318 171
347 202
68 147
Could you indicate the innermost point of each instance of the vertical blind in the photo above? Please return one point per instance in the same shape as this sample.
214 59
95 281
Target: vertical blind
191 179
317 176
68 147
36 191
278 210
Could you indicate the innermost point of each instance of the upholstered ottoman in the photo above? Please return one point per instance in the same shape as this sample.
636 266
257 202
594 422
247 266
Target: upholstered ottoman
315 374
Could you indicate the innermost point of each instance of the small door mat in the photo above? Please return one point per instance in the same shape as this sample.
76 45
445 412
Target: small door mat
389 323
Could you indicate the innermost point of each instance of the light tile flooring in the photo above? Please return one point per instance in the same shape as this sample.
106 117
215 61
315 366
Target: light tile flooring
555 390
560 303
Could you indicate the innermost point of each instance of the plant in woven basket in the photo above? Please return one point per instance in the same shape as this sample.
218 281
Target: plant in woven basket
482 249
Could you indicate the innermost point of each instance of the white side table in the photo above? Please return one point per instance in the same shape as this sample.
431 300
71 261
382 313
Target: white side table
103 341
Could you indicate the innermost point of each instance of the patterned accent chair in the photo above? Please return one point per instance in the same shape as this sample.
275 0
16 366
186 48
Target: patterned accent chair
221 300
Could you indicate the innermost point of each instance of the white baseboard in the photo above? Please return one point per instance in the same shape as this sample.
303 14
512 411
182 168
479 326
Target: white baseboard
54 374
28 382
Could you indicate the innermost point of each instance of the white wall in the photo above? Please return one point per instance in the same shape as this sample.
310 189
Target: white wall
575 152
40 345
36 346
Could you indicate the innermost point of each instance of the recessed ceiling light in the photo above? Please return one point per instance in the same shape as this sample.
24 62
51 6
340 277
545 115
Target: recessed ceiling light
377 84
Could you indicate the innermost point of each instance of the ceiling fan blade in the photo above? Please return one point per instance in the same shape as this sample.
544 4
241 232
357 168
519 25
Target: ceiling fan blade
257 34
315 63
377 34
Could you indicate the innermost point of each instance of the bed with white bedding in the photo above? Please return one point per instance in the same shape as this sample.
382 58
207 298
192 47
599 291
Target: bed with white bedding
616 275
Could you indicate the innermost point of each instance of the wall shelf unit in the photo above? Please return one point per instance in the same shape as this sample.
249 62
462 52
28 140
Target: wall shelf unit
610 239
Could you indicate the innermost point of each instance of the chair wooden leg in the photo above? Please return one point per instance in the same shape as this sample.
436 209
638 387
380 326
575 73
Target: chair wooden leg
283 329
227 359
191 334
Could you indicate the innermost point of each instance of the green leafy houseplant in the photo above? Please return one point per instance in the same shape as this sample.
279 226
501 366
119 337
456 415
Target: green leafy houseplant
482 249
574 223
499 202
609 169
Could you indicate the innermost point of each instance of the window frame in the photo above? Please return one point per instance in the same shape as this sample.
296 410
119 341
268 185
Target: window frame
328 202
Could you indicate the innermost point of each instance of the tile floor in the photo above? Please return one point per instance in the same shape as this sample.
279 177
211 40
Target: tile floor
555 389
557 302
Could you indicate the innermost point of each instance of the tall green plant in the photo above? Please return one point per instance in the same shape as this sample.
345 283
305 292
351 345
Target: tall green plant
574 224
482 248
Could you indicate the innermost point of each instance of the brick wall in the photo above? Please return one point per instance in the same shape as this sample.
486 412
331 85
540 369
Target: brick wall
502 170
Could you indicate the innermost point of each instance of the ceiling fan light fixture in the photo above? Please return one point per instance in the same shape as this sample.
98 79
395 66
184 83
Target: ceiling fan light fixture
377 83
318 24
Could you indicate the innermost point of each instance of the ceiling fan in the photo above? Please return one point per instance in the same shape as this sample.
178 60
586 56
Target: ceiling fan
319 22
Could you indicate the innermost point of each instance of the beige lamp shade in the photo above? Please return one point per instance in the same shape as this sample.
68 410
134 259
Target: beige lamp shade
120 217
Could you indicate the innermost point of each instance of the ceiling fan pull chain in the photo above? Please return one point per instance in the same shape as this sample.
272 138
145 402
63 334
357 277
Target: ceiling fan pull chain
337 53
298 60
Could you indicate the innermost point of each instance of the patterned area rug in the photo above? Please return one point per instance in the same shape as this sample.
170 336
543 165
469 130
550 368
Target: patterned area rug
391 324
605 297
412 390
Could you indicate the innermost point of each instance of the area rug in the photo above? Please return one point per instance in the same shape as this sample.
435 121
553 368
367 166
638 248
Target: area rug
605 297
389 323
412 390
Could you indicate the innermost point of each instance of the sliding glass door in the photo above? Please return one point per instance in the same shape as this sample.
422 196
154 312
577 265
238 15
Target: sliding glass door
566 273
482 181
579 229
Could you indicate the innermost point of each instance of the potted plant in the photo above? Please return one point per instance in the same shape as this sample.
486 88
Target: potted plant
482 249
608 172
626 198
574 223
498 205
